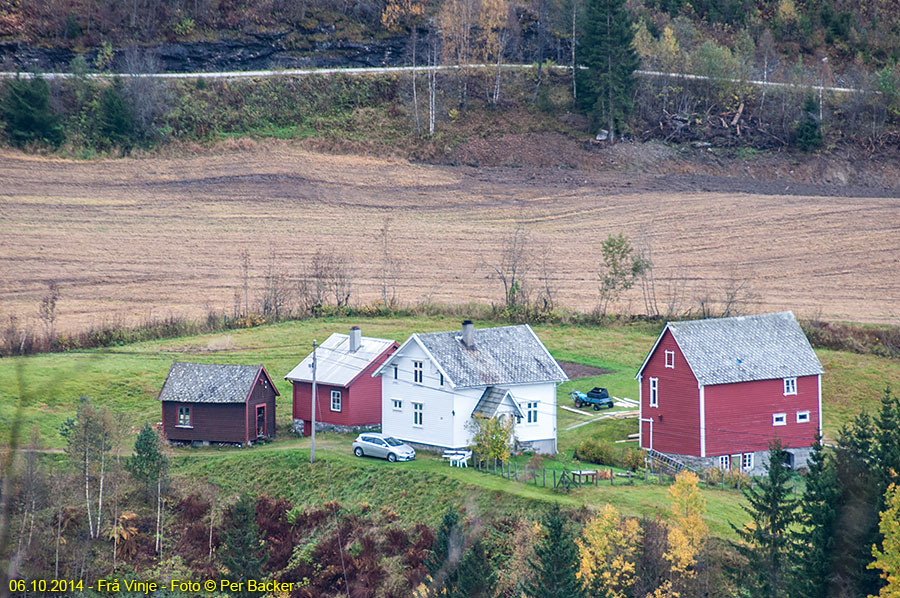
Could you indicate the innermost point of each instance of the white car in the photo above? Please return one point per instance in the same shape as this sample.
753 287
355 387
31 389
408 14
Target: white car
372 444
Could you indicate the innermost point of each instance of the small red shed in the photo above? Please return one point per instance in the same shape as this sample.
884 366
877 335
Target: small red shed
348 398
206 402
716 392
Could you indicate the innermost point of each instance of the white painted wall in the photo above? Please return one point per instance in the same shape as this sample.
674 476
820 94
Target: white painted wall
446 411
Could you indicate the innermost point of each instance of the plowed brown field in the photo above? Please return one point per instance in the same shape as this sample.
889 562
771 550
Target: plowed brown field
128 239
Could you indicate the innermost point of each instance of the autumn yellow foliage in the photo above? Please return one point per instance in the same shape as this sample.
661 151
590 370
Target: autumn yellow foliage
608 549
888 557
687 530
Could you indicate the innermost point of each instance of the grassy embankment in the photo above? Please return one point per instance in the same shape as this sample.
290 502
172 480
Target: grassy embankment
126 380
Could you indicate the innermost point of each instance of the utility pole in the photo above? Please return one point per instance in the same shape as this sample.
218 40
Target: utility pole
312 452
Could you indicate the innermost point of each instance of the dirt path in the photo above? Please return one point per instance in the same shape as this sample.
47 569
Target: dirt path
138 238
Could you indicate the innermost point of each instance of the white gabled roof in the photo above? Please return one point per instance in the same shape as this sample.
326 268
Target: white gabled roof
335 364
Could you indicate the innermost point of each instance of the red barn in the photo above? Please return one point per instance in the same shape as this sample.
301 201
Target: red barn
207 402
716 392
348 398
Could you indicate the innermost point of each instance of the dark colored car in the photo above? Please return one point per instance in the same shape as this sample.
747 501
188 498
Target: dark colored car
597 397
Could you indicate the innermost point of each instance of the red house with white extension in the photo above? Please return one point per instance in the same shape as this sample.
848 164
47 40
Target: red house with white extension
348 398
716 392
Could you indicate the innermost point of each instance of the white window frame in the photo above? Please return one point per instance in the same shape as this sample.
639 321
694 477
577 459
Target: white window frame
336 400
654 392
396 370
779 419
670 359
190 417
417 372
803 417
397 404
531 412
790 386
747 461
725 462
418 417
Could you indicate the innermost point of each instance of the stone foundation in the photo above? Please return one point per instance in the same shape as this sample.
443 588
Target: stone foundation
299 428
799 459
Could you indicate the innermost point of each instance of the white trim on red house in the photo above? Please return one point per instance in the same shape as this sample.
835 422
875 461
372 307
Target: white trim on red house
654 392
702 420
652 351
641 411
669 354
803 417
790 386
820 405
779 416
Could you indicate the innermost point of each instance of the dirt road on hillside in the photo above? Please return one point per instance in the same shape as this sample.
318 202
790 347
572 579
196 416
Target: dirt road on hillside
137 238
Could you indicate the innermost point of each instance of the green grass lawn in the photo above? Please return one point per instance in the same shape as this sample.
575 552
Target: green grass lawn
419 490
127 379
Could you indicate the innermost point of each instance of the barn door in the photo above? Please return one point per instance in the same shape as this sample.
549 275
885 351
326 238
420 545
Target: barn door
260 420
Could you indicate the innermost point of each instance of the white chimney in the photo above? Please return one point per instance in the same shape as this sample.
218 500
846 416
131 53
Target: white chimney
355 339
468 334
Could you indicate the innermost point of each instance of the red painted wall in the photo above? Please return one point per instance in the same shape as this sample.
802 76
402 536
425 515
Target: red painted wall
676 422
213 422
739 416
262 394
360 402
222 422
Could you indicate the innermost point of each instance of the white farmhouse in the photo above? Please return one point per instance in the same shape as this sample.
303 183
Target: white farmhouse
433 384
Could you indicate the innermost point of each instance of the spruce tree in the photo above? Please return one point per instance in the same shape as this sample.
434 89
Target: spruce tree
148 462
116 118
887 449
26 113
606 88
856 530
809 133
440 549
475 576
817 517
768 542
242 552
555 561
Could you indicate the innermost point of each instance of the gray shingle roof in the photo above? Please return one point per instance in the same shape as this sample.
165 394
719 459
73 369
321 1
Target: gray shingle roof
502 355
492 399
208 383
746 348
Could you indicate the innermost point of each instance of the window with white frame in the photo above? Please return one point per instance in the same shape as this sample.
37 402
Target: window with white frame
802 417
654 392
747 461
531 412
184 417
790 386
725 462
417 372
779 419
417 414
396 370
670 359
397 404
335 400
